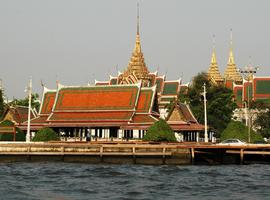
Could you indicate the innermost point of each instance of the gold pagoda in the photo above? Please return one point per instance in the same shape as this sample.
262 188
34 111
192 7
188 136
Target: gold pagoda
137 69
213 71
231 73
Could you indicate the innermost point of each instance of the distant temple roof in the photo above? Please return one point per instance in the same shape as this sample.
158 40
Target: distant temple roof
18 114
231 72
181 118
213 71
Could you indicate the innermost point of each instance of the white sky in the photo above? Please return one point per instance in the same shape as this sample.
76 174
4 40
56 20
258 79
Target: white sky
77 41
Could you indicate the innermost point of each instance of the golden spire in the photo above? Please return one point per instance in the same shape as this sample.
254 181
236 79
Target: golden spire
136 64
231 72
214 57
213 71
137 48
231 58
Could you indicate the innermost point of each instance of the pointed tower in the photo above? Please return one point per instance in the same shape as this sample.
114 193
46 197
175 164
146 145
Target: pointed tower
137 69
231 73
213 71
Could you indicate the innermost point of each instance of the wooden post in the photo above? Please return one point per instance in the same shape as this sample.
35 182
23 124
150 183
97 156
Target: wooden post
14 134
192 155
101 153
242 156
28 152
163 156
63 152
134 156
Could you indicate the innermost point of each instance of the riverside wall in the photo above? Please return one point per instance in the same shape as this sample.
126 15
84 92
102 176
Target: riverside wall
134 153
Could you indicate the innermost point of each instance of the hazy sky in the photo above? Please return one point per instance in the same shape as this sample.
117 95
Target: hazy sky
77 41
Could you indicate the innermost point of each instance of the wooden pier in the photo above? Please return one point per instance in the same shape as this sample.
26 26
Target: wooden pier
137 153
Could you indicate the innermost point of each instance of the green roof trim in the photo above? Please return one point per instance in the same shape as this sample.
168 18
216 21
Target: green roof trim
262 87
167 98
114 81
248 92
159 82
239 94
170 88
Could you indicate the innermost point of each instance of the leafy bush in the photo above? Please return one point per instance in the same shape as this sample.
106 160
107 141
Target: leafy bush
20 136
236 129
46 134
160 131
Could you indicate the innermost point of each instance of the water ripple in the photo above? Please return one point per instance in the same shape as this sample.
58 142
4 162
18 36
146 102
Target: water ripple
71 181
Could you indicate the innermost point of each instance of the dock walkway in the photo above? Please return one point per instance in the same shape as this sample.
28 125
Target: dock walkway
132 152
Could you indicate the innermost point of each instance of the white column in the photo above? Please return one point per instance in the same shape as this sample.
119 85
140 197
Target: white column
135 133
107 133
120 133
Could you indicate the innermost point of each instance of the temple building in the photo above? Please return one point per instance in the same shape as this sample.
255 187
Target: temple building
122 107
213 71
245 89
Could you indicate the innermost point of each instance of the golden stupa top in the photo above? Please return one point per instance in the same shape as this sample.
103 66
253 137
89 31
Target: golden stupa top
213 71
231 72
136 65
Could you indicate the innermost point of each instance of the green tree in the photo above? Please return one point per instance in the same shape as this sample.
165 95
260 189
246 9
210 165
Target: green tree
45 135
35 103
236 129
262 123
160 131
219 102
20 136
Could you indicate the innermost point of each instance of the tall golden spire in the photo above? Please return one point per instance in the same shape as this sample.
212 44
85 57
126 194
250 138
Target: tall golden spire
213 71
231 72
137 48
136 66
231 58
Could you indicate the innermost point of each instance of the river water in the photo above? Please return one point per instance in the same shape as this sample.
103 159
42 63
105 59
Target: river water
67 181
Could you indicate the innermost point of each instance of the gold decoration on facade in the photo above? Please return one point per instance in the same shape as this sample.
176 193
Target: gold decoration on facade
136 66
213 71
231 72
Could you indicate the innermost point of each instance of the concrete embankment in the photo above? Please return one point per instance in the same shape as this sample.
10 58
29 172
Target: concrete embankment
95 153
134 153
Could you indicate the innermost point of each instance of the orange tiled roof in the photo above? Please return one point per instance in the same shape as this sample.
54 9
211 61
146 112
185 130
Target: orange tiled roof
47 103
90 116
145 100
96 98
137 119
39 120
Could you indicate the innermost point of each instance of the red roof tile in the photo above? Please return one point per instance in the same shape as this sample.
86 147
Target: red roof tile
47 103
145 101
91 116
97 98
142 119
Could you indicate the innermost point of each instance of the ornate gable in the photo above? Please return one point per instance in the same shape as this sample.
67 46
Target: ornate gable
47 101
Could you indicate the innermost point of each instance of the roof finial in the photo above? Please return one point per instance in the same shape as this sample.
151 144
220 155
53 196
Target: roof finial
231 37
214 42
231 57
138 19
214 59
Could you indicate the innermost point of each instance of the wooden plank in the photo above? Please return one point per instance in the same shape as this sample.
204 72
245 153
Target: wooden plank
249 152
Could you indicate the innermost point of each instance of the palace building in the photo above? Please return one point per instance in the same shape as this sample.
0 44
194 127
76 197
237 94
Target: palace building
249 88
122 107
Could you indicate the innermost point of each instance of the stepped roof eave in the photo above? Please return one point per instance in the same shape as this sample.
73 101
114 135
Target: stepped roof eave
91 117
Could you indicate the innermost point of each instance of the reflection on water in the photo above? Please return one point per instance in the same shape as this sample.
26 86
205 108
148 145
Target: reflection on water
68 181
